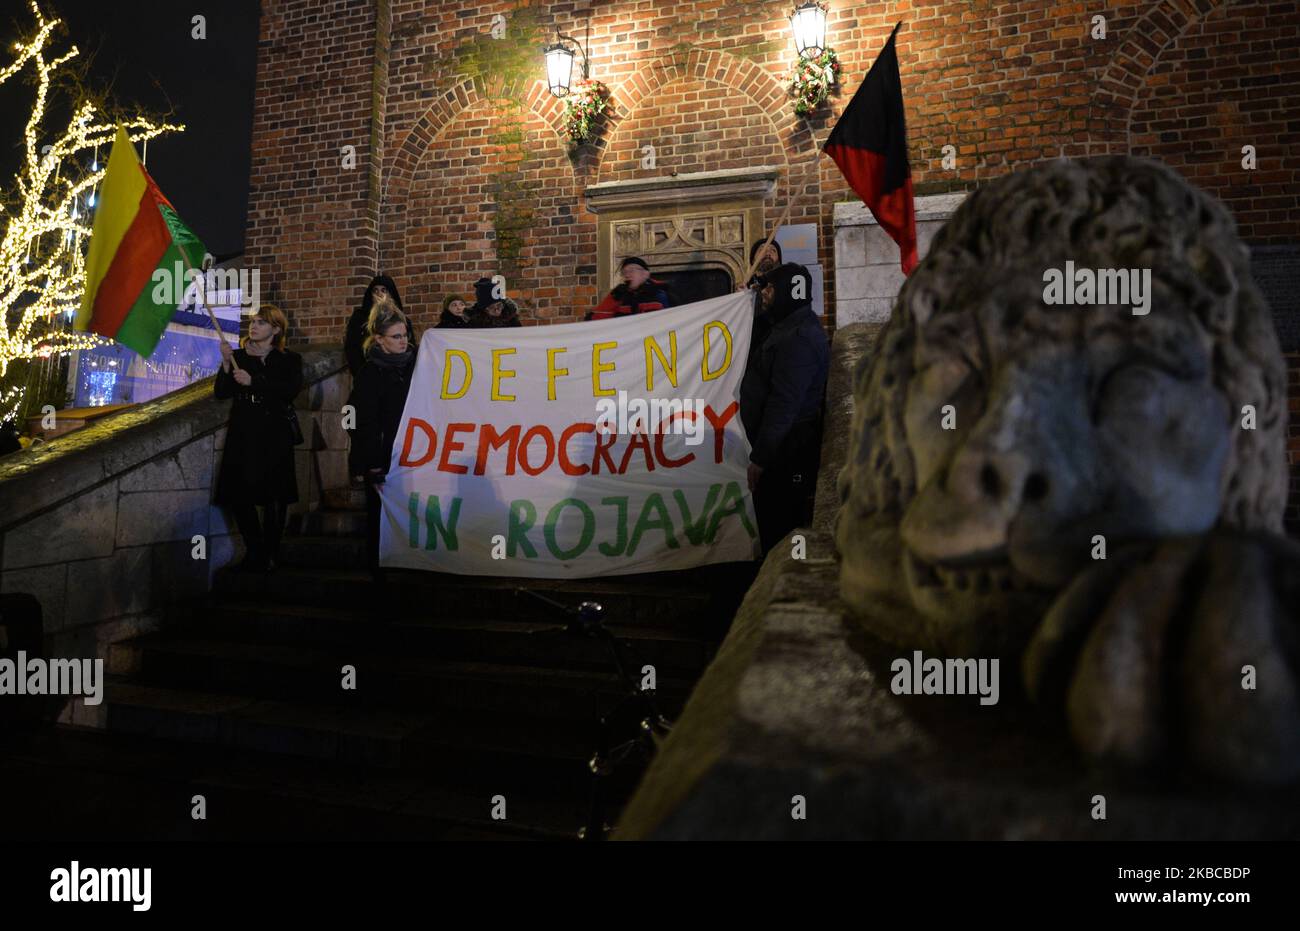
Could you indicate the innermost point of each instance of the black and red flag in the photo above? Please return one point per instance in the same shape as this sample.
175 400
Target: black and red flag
869 143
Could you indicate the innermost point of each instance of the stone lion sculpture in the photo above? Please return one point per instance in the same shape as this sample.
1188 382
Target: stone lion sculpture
1091 493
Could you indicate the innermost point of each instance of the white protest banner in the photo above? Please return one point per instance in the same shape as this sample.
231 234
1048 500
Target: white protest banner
575 450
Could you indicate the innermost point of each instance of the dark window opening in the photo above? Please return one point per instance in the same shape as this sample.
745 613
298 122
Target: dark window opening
689 285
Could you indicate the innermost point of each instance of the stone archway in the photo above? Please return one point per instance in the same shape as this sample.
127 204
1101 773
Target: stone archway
466 97
1111 107
753 81
720 187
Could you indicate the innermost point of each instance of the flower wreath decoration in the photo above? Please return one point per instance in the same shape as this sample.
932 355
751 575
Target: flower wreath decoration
585 104
813 80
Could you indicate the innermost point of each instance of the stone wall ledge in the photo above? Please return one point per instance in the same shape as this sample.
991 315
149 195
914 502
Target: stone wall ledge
928 207
38 480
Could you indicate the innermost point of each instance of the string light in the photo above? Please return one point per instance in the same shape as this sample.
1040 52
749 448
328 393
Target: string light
34 318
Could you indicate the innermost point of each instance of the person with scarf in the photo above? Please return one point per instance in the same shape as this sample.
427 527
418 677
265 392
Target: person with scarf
781 399
638 294
378 397
489 311
381 291
455 314
257 463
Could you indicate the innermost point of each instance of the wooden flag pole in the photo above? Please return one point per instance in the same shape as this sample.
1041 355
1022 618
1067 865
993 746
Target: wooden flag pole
749 273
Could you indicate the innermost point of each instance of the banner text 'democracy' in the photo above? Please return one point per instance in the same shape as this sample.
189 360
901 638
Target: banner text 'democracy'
574 450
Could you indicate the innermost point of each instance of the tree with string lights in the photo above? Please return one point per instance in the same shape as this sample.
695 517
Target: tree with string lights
46 212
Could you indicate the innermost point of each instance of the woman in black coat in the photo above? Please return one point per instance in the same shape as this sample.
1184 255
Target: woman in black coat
381 289
455 314
257 465
379 396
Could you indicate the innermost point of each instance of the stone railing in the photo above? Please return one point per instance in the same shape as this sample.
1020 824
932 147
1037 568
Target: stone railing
99 524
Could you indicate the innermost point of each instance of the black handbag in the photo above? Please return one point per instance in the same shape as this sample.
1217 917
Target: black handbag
295 428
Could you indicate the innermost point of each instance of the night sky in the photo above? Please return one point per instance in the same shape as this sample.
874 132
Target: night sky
142 55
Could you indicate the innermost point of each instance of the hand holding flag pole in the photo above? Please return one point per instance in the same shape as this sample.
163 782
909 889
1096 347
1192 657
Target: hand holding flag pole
226 355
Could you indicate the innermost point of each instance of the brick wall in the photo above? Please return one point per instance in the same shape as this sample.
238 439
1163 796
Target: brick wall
1006 84
1217 90
1009 84
309 227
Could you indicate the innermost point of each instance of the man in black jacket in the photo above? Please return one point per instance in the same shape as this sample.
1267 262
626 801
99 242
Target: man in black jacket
781 405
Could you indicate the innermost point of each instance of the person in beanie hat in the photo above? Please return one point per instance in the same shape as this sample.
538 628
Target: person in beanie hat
483 292
489 311
638 294
455 313
781 399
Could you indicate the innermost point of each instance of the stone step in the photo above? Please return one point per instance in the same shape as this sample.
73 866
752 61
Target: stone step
328 522
460 753
384 680
694 602
509 640
150 781
353 499
324 552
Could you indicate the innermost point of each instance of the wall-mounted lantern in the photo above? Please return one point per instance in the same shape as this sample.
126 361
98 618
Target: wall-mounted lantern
809 24
559 63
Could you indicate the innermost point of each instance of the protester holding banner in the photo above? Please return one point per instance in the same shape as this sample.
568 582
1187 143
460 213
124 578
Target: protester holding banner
638 294
575 450
490 311
781 404
378 397
771 258
257 465
455 314
382 290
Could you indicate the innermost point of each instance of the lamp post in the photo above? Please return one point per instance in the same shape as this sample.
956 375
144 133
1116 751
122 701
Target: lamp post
809 24
559 63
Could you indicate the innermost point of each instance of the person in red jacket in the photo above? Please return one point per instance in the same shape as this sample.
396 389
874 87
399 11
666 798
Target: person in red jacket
638 294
